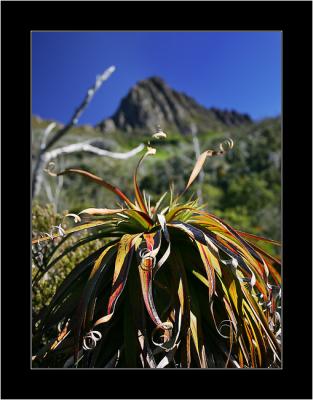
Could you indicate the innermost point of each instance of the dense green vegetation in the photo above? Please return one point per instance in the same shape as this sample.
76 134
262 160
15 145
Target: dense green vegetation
46 283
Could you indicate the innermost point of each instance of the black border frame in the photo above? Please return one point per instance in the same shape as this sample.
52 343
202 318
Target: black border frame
294 19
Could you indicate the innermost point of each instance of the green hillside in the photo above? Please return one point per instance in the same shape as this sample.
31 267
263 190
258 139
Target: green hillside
243 187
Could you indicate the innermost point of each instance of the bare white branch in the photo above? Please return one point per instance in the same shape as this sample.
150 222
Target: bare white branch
46 132
78 112
37 172
86 147
196 147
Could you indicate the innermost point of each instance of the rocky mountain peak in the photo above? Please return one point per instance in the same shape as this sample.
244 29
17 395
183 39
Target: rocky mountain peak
151 102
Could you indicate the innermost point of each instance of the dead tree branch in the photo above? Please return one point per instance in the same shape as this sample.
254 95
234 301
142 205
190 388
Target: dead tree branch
46 145
86 147
77 114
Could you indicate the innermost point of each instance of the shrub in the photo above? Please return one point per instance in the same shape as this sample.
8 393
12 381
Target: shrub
46 277
174 287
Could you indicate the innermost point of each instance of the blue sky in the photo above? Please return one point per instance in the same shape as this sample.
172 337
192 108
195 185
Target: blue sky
234 70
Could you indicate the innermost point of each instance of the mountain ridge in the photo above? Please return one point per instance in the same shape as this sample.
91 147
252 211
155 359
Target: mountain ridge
152 102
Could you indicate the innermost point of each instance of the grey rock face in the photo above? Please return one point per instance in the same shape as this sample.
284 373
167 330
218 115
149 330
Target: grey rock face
231 117
151 102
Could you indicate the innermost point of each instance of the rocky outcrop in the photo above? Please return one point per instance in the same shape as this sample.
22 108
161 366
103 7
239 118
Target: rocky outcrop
151 102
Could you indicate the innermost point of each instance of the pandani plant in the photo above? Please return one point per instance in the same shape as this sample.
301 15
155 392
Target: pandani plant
174 286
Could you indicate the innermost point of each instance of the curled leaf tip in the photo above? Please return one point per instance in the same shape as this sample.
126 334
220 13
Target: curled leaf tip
150 150
51 169
159 133
209 153
229 143
75 216
90 340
